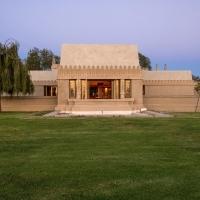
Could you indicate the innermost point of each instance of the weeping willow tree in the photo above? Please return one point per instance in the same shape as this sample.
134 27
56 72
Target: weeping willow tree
14 76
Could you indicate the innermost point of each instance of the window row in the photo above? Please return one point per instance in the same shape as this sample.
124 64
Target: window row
94 89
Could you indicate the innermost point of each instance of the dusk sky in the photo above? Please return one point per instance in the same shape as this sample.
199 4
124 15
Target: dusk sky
167 31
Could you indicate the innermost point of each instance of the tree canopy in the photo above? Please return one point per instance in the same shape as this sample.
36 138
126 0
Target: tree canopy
33 59
145 62
41 59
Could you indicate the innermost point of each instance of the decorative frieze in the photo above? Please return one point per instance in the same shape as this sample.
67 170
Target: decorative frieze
78 72
98 67
168 82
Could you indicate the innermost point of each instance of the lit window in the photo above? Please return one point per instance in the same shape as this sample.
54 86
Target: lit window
72 89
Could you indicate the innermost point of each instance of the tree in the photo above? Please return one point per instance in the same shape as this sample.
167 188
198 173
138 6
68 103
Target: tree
145 62
14 75
195 78
41 59
57 59
27 84
46 57
33 59
197 89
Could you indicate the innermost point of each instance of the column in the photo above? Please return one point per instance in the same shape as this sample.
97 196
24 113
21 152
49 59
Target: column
86 89
83 89
63 94
121 88
137 94
113 89
78 88
116 89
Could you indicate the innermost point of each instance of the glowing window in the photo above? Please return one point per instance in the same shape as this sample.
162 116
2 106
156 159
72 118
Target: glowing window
72 89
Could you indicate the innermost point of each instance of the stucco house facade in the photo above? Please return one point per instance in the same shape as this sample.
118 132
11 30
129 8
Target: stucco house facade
105 78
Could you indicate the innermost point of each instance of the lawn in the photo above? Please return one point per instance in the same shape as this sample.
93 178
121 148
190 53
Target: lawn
99 158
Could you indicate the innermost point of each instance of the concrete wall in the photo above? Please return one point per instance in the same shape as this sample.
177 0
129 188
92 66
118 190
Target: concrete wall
170 95
28 103
171 103
168 104
169 88
137 93
38 90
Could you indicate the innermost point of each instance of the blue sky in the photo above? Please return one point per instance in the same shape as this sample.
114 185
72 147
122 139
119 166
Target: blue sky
167 31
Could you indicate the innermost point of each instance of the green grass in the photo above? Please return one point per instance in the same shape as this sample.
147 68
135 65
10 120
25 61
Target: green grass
99 158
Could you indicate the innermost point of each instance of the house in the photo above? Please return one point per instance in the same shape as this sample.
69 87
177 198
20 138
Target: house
105 78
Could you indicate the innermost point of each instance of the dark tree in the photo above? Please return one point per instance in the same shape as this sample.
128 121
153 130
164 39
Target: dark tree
195 78
57 59
46 57
33 59
145 62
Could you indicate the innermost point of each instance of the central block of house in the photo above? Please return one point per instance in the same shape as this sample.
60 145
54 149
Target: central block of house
99 78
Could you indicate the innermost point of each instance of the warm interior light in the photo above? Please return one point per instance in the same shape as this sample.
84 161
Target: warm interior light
106 90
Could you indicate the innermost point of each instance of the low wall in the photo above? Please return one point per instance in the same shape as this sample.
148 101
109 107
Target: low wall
172 104
28 103
99 105
168 104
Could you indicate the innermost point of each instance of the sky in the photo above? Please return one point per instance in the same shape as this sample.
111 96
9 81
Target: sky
167 31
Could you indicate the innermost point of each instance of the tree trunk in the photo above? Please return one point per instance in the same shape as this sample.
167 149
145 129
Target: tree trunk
197 104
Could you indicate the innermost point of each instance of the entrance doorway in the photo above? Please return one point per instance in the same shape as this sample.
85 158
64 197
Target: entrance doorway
100 89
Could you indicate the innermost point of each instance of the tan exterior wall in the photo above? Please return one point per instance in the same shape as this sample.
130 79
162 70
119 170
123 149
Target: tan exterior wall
169 88
171 103
38 90
27 104
137 94
170 96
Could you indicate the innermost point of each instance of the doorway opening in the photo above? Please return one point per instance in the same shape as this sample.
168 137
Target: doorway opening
100 89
